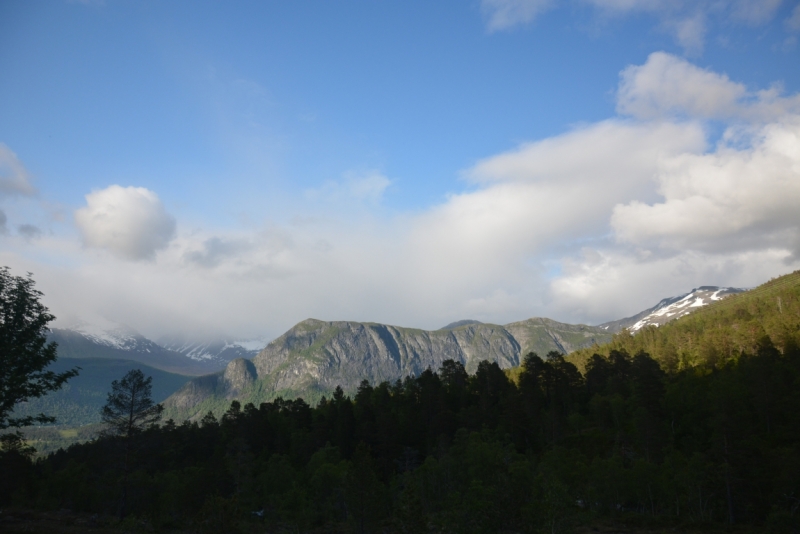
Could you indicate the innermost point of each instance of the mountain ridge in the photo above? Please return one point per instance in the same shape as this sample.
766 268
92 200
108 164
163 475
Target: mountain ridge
110 340
717 333
314 357
671 308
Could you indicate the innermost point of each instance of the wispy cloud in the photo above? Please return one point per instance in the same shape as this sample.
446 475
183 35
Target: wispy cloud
14 178
506 14
687 21
793 22
368 186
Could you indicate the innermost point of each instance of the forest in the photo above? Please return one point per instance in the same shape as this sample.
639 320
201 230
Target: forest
692 425
447 452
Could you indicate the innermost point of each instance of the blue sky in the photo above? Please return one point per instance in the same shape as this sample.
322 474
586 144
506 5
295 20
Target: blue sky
238 167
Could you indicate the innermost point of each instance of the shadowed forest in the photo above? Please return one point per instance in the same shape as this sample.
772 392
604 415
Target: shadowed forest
448 452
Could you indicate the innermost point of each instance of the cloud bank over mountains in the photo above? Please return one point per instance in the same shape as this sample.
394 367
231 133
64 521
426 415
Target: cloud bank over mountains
591 225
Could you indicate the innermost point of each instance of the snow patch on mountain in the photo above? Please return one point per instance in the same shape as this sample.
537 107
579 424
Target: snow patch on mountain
217 351
111 334
669 311
672 308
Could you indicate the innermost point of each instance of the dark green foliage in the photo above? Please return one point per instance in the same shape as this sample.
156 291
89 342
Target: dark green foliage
80 400
24 358
128 412
718 333
24 351
455 453
129 408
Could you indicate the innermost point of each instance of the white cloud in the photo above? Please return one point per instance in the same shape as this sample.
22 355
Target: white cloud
667 86
733 199
603 285
591 225
547 193
130 222
14 178
505 14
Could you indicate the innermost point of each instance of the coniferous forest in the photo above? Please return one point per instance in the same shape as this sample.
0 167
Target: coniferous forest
691 425
448 452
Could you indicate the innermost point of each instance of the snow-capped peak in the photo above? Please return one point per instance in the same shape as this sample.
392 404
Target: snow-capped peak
108 333
670 309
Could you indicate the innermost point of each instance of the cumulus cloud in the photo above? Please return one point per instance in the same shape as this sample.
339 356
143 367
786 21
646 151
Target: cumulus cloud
591 225
548 192
733 199
130 222
505 14
668 86
14 178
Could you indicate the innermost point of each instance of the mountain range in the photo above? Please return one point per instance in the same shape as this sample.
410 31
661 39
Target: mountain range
314 356
106 339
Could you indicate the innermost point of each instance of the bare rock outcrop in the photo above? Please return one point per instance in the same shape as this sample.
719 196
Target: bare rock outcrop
315 356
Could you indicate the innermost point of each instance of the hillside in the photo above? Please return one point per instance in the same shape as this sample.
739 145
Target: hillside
79 401
314 357
672 308
719 332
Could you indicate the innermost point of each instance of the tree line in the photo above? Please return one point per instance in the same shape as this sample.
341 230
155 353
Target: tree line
451 452
719 332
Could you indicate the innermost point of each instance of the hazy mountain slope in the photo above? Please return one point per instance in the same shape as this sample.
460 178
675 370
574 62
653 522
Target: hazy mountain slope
126 344
80 400
218 352
672 308
720 331
314 357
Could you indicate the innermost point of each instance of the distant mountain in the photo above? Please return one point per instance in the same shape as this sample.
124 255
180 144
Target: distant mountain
314 357
105 339
672 308
220 351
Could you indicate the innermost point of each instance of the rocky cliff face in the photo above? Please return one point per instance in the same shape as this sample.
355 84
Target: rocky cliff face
315 356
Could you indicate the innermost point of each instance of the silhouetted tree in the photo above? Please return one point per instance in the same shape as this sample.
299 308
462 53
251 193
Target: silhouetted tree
24 350
128 411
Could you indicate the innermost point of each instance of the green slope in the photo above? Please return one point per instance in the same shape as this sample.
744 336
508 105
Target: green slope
720 332
80 400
